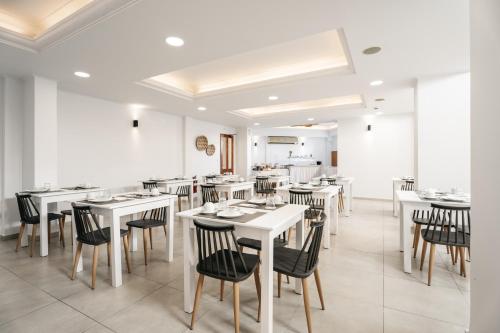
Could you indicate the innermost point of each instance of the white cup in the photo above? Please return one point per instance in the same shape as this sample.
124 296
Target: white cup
155 191
209 207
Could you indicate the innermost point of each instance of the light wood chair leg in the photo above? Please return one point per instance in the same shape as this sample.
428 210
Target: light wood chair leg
197 297
452 254
287 279
431 263
33 238
108 248
150 231
221 297
61 232
179 204
422 257
129 233
456 254
279 285
20 236
320 290
256 275
462 261
305 292
145 241
127 258
95 259
236 306
63 220
416 239
77 258
165 230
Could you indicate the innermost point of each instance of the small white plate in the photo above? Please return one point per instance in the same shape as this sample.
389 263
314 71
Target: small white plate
100 199
454 198
230 213
257 201
38 190
208 212
120 198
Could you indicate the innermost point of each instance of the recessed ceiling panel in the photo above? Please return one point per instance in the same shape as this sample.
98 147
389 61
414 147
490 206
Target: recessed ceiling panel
313 55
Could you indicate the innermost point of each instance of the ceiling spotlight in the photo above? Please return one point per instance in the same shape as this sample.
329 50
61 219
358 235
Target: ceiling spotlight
202 108
256 124
372 50
174 41
379 99
310 119
273 98
378 113
82 75
376 83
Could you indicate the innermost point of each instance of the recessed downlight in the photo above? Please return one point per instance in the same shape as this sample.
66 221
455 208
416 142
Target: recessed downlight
174 41
273 98
376 83
379 99
310 119
372 50
82 74
256 124
201 108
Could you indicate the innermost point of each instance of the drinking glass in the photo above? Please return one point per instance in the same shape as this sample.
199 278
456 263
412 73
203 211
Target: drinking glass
47 186
222 203
270 203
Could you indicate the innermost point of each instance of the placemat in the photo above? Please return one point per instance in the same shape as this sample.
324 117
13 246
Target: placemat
241 219
113 201
76 188
246 204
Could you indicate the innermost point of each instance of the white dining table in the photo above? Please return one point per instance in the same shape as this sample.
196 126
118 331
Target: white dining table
222 178
112 212
408 202
47 201
264 228
171 185
330 196
397 183
230 187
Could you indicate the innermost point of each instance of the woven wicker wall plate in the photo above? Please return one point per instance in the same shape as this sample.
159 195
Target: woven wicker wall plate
201 142
210 150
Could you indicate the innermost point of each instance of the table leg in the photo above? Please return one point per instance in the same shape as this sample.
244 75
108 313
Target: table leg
116 253
299 242
133 235
191 196
170 233
230 194
189 264
328 221
347 200
79 266
251 191
405 231
266 256
43 232
394 199
334 218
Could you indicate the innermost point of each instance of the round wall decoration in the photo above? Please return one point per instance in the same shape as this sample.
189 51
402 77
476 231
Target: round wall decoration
201 142
210 150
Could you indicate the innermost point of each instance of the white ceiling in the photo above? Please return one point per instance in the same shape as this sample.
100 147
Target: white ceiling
418 38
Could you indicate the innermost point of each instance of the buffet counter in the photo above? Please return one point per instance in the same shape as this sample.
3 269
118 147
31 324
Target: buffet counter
271 172
300 174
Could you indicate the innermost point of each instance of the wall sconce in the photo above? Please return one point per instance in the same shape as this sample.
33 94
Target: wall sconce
255 144
369 128
135 123
302 144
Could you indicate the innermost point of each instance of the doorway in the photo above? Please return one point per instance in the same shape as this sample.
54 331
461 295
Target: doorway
226 153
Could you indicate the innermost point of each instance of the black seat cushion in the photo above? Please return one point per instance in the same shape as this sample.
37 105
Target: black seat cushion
454 239
97 238
208 266
50 217
256 244
312 214
421 220
183 195
66 212
284 261
146 223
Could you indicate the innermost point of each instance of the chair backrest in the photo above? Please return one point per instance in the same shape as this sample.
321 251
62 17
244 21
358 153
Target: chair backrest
208 193
409 185
216 240
262 183
158 214
27 209
331 181
239 194
456 221
301 197
312 245
148 185
183 190
86 223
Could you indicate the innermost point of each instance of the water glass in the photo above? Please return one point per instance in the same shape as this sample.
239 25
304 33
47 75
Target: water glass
222 203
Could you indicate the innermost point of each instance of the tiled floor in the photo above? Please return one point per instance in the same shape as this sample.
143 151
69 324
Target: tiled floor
365 290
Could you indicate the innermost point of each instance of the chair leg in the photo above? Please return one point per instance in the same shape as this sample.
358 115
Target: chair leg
221 297
462 261
150 231
125 247
197 297
279 285
287 279
108 248
129 233
457 250
49 231
422 257
145 241
165 230
431 263
416 239
61 232
77 258
179 204
256 275
63 221
94 265
20 236
452 254
320 290
305 292
33 238
236 306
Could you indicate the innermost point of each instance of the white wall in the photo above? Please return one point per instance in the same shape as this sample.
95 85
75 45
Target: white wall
98 144
198 162
374 157
443 125
485 71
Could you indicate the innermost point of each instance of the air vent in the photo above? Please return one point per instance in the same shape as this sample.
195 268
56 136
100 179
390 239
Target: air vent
283 140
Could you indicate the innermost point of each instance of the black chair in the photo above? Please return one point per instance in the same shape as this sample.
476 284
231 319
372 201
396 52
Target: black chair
300 264
29 215
263 186
149 185
150 219
217 260
333 181
89 232
182 192
301 197
239 194
409 185
208 193
449 226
